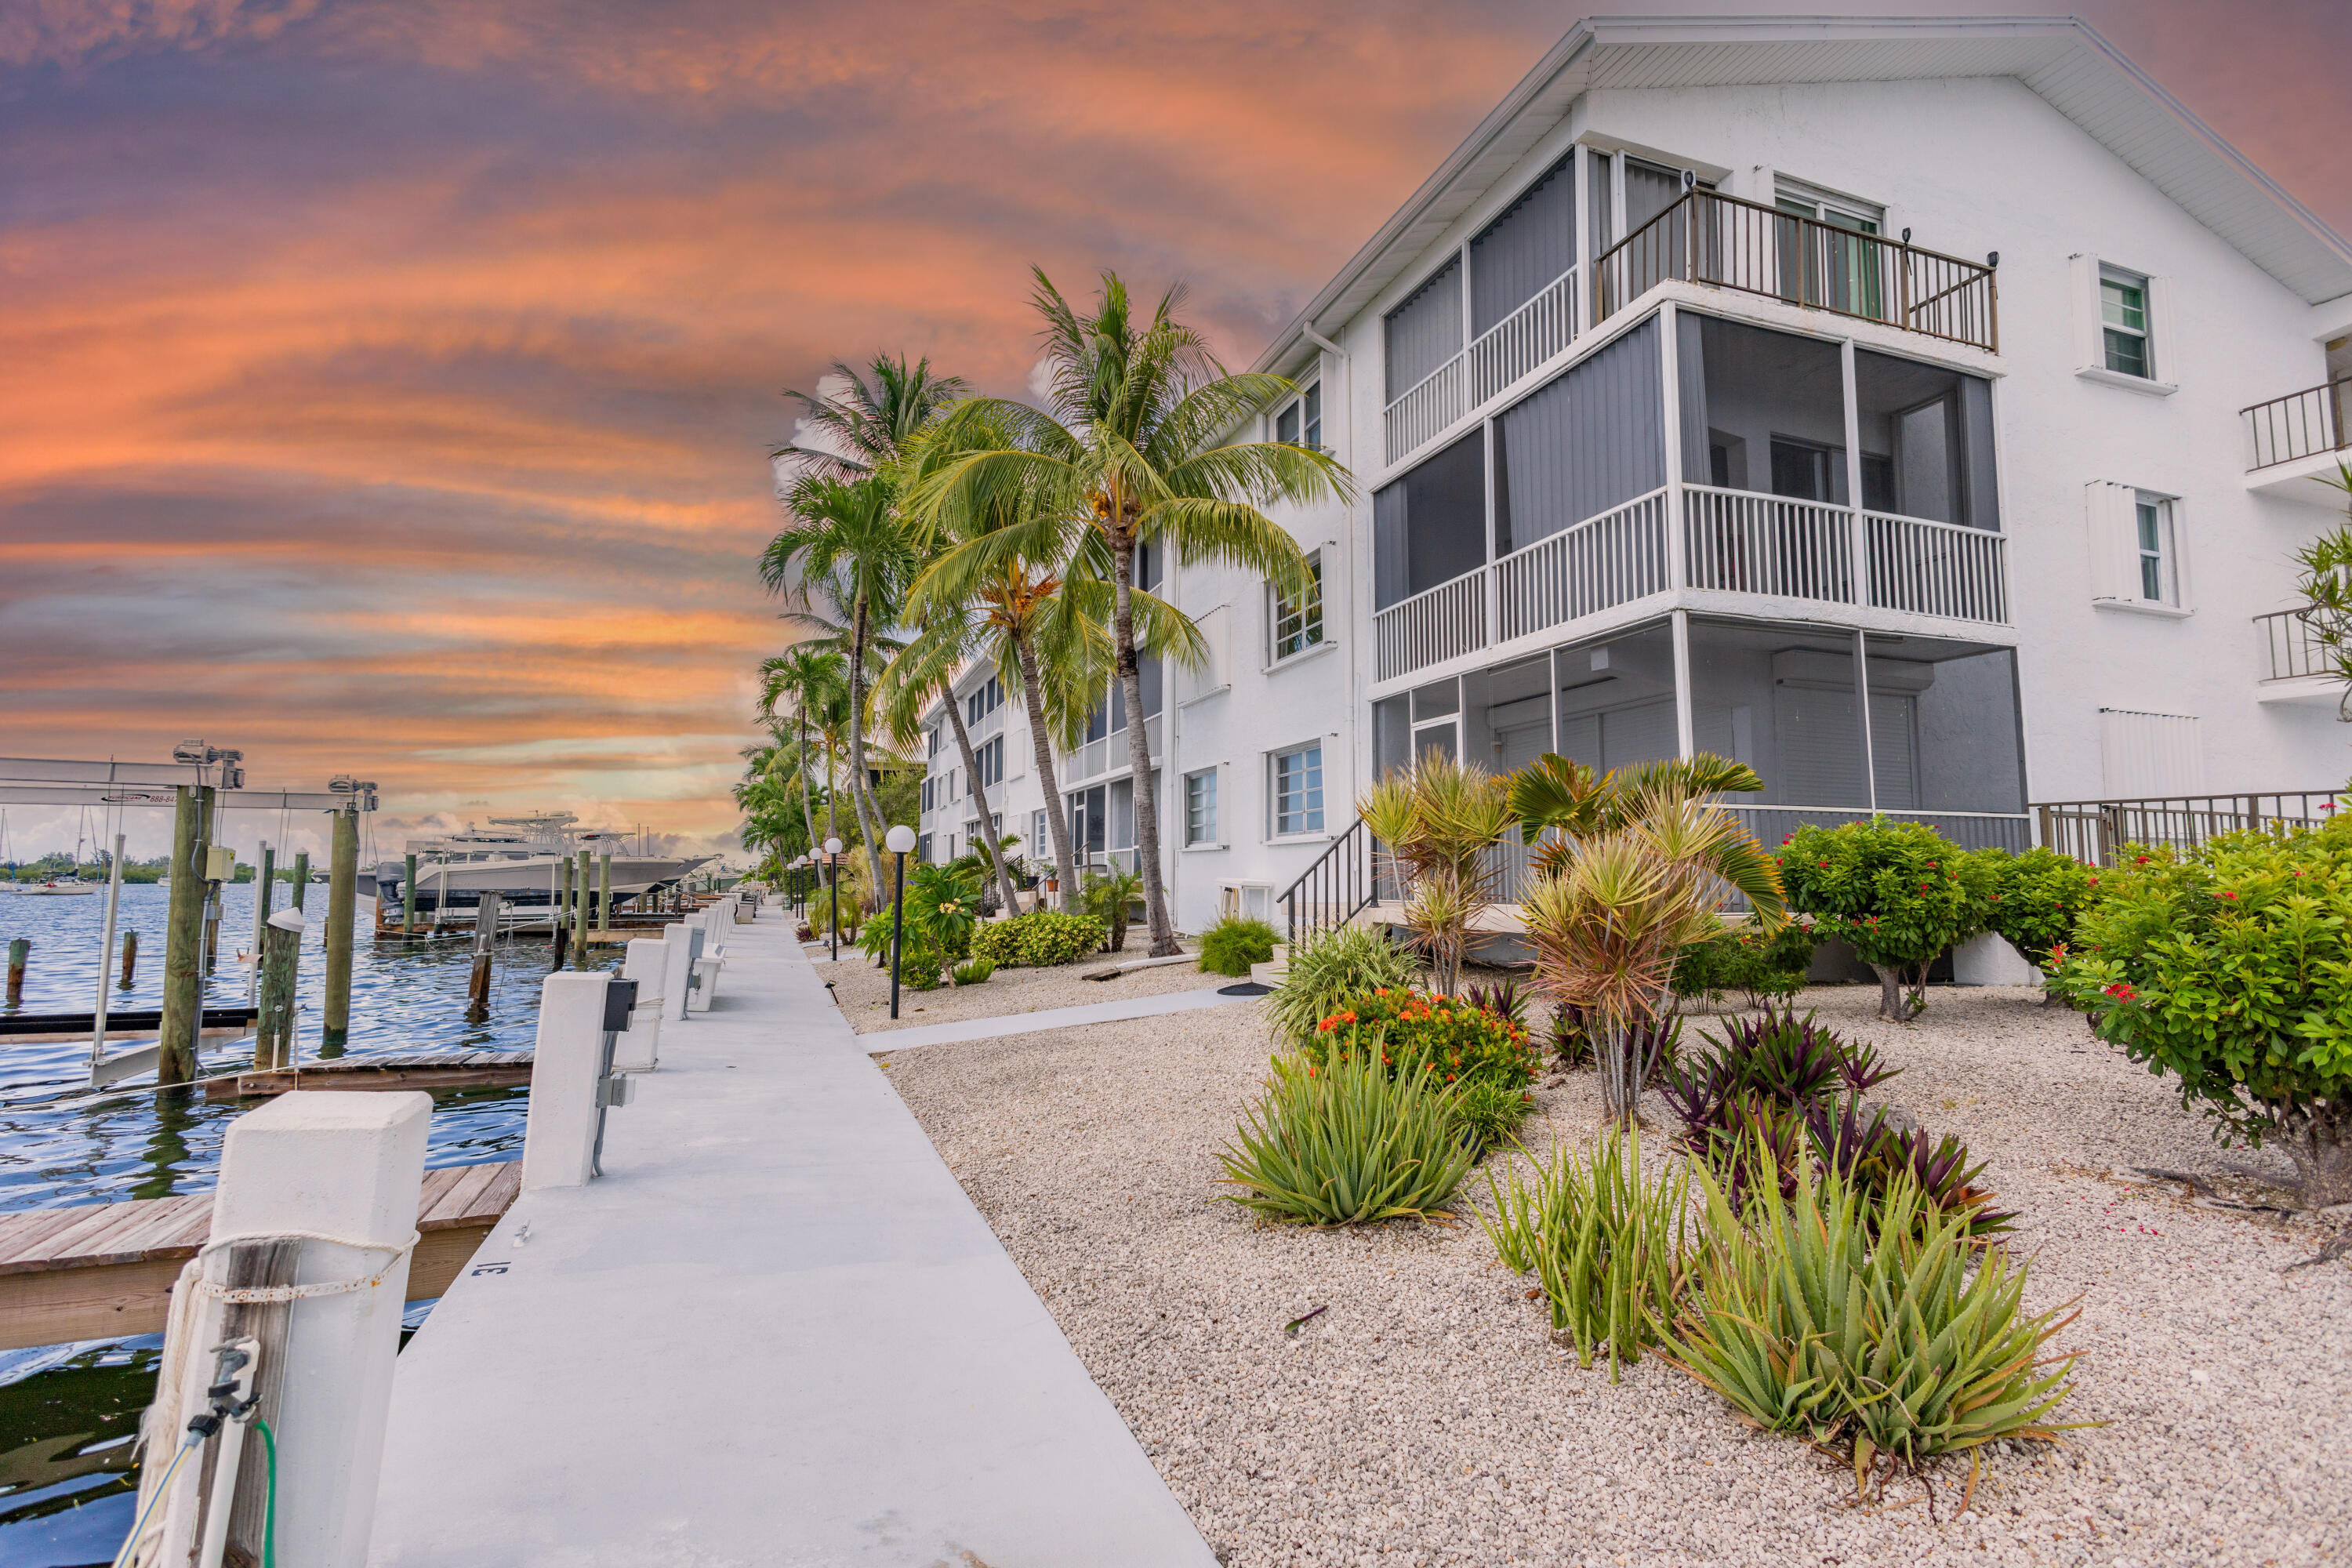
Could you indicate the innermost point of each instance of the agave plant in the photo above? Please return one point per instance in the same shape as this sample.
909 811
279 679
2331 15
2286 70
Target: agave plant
1435 826
1344 1143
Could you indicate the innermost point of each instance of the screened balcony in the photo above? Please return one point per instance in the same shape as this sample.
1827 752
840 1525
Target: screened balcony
1562 507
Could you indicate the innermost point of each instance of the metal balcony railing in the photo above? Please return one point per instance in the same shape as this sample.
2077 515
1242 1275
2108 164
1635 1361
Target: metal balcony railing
2093 830
1706 238
2300 425
2292 649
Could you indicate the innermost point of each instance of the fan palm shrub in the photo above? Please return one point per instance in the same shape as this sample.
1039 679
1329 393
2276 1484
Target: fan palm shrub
1328 969
1108 895
1342 1142
1436 826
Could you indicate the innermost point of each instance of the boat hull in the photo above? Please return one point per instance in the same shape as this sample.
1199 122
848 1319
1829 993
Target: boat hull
523 882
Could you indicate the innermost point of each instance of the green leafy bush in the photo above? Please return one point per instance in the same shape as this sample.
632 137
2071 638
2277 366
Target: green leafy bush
1490 1112
1864 1324
1453 1040
1037 939
1899 891
943 905
973 973
1607 1246
2035 899
1235 943
1764 965
1341 1143
1328 968
2230 968
1107 896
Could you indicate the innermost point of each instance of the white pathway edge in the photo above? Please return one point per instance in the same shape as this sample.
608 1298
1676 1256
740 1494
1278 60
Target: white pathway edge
882 1041
776 1332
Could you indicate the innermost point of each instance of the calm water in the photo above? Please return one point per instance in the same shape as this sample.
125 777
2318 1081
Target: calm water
67 1412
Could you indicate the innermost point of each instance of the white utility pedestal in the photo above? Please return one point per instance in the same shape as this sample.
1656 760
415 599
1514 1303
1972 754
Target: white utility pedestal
567 1076
639 1049
678 967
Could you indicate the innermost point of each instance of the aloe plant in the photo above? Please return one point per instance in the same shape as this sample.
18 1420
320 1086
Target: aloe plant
1343 1143
1864 1322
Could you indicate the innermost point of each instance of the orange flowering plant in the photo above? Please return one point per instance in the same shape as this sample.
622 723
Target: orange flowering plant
1411 1030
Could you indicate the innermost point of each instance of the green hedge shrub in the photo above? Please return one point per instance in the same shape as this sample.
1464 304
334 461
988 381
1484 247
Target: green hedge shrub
1235 943
1899 891
1455 1040
2230 968
1764 966
1342 1142
2035 899
1039 938
1326 968
1489 1113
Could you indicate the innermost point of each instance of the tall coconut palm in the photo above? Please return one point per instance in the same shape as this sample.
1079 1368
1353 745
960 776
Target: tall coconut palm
1138 451
810 677
868 425
847 541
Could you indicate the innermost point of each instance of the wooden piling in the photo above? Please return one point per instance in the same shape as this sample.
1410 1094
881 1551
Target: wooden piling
583 908
273 1031
19 950
263 891
130 960
301 876
408 898
342 905
604 891
183 977
486 936
559 917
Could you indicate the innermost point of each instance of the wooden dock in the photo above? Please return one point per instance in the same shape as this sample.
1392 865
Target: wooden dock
388 1070
106 1271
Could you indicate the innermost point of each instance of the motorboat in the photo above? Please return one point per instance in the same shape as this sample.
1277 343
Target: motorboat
522 859
53 889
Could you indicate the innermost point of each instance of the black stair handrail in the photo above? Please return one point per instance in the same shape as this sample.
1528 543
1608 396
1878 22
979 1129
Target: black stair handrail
1341 885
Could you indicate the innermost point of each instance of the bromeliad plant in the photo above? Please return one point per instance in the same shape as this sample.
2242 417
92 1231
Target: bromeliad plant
1608 1247
1866 1323
1341 1141
1435 827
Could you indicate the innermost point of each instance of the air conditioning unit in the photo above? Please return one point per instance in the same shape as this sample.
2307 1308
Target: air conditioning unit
1251 901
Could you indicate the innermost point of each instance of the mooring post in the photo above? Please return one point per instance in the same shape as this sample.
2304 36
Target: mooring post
207 831
342 908
261 902
559 916
567 1082
19 950
130 960
301 878
310 1165
584 910
486 934
183 969
604 891
281 962
408 897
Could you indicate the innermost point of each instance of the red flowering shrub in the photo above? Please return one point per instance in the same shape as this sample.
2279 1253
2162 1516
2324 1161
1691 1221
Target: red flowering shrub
1413 1030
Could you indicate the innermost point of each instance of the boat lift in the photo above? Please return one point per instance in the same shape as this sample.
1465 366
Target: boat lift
195 765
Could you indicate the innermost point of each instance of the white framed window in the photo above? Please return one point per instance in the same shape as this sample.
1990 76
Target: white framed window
1201 807
979 704
2156 554
1296 795
2139 550
2127 341
1041 836
934 741
991 760
1296 617
922 849
1299 422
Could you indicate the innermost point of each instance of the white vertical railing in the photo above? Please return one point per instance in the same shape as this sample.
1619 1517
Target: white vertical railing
1741 541
1525 339
1609 560
1433 403
2292 647
1936 569
1432 627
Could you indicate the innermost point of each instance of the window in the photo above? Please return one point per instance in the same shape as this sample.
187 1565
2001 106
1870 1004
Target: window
928 783
1200 806
1300 423
1298 790
1041 836
984 701
2154 554
1839 270
922 849
934 742
1297 618
991 760
2123 320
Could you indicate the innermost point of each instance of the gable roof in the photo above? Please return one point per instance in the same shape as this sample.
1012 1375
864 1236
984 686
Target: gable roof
2062 59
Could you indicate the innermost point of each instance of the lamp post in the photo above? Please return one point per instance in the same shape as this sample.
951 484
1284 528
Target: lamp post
899 840
832 859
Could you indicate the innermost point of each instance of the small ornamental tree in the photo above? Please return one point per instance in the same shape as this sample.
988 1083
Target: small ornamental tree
1900 892
2035 899
2232 969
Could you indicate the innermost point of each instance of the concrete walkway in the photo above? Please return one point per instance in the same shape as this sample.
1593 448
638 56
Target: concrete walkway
1050 1018
776 1333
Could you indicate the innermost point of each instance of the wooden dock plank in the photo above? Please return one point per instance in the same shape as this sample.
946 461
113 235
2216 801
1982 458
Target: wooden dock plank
106 1271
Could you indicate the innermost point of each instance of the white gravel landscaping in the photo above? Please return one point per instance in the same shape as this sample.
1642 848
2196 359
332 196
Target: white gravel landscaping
1426 1418
864 991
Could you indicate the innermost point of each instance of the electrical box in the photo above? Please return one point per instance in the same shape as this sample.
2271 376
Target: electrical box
220 863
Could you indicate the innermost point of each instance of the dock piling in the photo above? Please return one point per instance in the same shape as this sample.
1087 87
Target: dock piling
342 904
20 948
183 978
279 962
301 876
130 960
263 887
408 897
486 936
584 909
604 891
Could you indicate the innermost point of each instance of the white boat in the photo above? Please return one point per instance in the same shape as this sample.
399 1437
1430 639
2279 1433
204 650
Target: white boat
53 889
522 859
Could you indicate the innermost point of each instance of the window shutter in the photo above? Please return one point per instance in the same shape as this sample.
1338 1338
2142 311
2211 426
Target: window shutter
2090 352
2183 589
2107 509
2163 341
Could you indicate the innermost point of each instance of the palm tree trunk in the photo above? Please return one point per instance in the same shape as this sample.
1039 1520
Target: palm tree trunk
1138 755
857 792
990 853
808 790
1057 813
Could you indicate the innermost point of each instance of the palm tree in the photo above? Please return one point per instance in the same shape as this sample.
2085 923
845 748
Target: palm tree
847 541
1436 826
811 676
1137 452
1573 802
921 673
868 425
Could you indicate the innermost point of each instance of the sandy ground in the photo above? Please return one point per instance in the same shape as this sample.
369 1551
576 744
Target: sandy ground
864 991
1427 1418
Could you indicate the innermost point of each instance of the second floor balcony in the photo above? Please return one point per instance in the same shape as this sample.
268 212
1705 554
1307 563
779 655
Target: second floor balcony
2293 440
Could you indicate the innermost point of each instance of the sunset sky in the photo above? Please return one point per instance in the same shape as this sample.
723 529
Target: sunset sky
385 384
